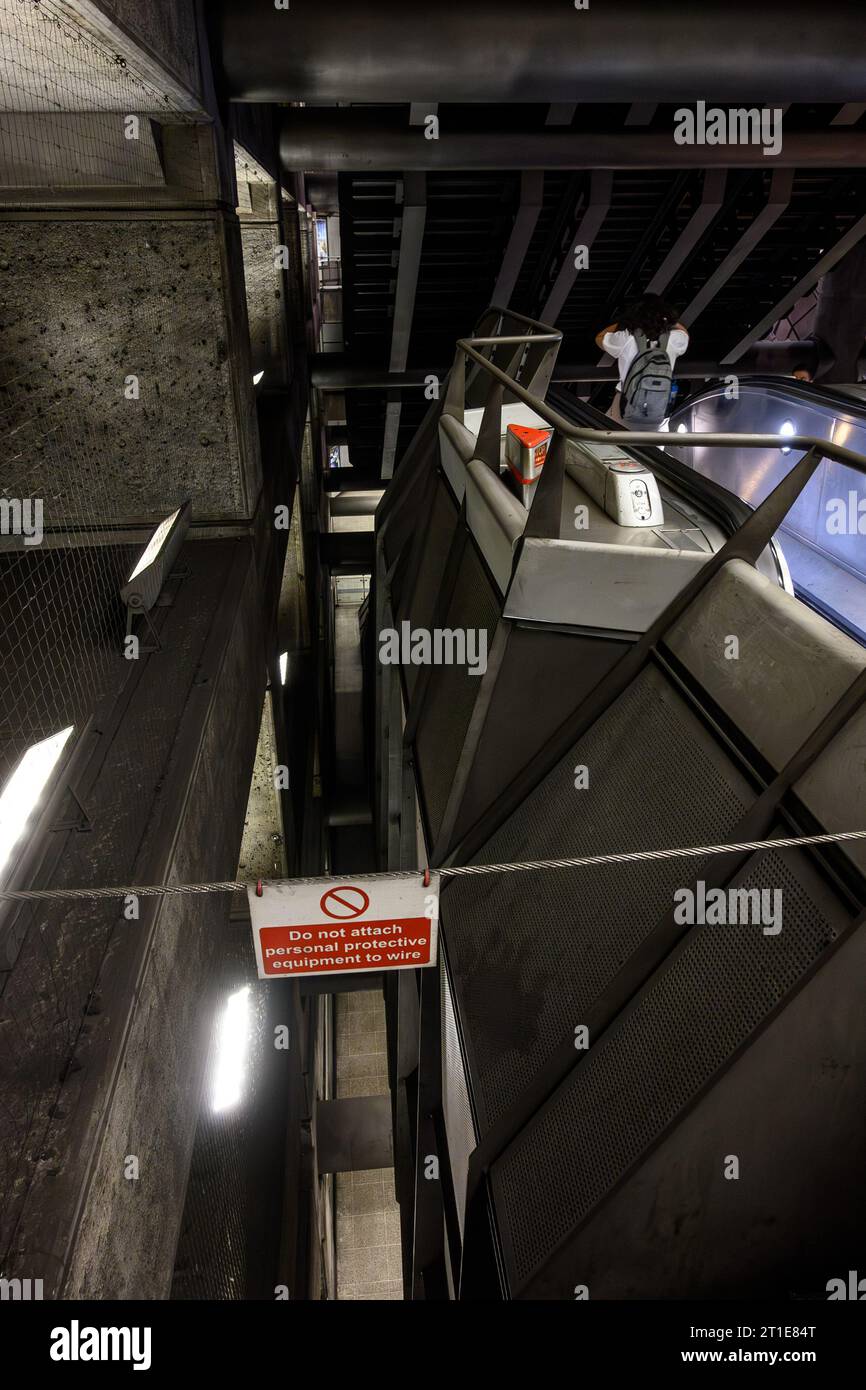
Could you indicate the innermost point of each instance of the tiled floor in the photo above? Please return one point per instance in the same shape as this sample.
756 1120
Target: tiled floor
362 1057
368 1236
368 1218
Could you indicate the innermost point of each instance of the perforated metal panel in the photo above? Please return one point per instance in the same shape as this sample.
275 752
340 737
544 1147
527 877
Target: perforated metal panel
698 1009
456 1105
452 690
531 953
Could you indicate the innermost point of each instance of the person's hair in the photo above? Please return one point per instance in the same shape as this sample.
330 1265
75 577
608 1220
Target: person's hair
650 314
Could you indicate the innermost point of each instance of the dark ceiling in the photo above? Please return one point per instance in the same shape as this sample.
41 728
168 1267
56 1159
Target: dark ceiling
740 239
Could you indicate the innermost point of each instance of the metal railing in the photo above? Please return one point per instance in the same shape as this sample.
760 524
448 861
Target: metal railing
544 515
468 348
330 274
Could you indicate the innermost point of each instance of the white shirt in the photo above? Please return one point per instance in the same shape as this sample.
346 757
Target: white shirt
623 347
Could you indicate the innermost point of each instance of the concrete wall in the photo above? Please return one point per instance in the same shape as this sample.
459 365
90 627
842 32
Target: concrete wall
122 261
87 304
126 1239
64 57
167 28
104 1020
265 292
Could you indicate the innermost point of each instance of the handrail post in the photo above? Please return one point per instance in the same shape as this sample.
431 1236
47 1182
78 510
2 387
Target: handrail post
455 397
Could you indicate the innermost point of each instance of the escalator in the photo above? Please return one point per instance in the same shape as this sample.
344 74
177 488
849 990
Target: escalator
824 535
711 497
588 1061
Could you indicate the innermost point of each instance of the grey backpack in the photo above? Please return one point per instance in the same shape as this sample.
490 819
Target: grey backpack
647 387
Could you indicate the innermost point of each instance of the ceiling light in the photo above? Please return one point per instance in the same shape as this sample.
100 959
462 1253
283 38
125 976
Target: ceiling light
786 430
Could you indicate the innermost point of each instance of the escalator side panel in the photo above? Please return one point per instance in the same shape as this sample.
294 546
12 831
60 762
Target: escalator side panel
655 1061
530 959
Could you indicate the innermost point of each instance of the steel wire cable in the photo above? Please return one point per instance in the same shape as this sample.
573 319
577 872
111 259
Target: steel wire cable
447 871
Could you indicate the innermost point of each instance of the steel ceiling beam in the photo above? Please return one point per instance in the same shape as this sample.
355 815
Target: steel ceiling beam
641 113
596 210
508 51
412 227
781 187
850 113
712 200
830 258
531 200
413 221
351 480
560 113
713 188
343 140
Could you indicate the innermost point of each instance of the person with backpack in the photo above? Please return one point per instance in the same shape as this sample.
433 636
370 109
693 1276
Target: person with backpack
646 342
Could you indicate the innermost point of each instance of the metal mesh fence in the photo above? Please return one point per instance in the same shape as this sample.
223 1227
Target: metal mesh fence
114 381
78 126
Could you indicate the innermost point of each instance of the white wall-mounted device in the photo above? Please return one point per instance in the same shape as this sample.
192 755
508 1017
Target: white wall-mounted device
627 490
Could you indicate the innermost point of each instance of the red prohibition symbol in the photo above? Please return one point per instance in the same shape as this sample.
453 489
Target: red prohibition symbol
344 903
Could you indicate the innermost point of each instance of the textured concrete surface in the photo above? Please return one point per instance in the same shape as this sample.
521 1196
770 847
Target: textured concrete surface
127 1236
369 1260
265 288
84 305
262 235
63 56
166 27
59 151
362 1055
263 852
103 1021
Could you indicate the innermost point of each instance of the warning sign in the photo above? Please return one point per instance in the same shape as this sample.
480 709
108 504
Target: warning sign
327 926
344 902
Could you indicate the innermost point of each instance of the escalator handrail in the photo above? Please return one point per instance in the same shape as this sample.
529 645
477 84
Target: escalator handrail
658 438
807 393
725 507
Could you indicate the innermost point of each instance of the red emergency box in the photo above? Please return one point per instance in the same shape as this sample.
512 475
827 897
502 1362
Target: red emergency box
525 452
